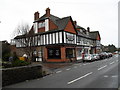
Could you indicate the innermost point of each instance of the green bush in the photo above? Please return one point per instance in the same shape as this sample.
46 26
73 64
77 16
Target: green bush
6 56
6 65
19 63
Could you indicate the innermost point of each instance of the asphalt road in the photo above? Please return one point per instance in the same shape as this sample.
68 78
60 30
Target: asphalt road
98 74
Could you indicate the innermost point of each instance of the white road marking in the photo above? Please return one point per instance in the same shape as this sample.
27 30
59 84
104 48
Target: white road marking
79 78
84 64
75 67
58 71
114 76
102 67
112 62
68 69
106 76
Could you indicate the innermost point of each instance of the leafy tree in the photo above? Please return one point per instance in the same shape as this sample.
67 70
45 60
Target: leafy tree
112 48
5 51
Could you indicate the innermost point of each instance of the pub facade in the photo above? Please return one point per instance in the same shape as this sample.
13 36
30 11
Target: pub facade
57 39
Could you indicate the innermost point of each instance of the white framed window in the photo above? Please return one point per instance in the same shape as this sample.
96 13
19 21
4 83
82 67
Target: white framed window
41 24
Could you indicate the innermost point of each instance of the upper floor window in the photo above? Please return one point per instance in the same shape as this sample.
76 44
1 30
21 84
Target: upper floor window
41 24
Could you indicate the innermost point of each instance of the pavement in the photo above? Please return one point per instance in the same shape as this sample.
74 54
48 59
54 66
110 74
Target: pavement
98 74
50 67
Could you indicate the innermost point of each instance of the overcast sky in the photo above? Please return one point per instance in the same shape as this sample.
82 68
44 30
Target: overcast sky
99 15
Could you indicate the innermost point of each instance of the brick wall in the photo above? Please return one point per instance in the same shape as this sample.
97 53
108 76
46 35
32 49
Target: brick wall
41 29
52 26
70 27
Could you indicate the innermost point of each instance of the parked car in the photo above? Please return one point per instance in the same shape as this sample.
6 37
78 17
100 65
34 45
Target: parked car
96 56
105 55
102 56
88 57
110 54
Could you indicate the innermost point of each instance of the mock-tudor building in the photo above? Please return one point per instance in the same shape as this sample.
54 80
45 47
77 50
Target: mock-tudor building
58 39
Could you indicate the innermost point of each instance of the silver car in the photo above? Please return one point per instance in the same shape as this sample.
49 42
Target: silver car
96 57
88 57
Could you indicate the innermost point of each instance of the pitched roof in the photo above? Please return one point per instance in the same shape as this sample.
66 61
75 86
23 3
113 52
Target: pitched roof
82 34
61 23
79 27
94 34
52 17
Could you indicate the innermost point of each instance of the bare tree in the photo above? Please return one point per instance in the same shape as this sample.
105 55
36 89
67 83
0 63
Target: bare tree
24 35
21 29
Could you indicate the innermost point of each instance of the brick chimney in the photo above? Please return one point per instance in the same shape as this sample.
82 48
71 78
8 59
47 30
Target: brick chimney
48 12
88 29
36 15
75 23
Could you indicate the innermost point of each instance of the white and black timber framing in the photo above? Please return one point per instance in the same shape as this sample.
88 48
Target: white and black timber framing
53 38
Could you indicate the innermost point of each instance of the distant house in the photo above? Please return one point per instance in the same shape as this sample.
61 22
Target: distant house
59 39
96 41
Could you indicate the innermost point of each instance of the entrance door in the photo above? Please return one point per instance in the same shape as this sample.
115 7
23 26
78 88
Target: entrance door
70 53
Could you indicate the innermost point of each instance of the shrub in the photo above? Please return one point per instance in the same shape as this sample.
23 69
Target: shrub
19 63
16 75
15 57
6 65
6 56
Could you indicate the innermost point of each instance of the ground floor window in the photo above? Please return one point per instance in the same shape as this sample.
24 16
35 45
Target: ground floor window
70 52
54 53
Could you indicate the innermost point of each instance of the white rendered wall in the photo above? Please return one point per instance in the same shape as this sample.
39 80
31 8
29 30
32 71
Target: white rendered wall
36 27
46 25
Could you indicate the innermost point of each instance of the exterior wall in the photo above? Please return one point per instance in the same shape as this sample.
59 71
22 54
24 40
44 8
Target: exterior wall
20 52
45 54
41 29
63 55
13 48
71 59
95 50
70 27
69 38
79 51
36 27
98 37
46 25
52 26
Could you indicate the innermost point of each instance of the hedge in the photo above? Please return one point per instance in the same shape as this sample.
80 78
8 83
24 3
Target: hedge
19 74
